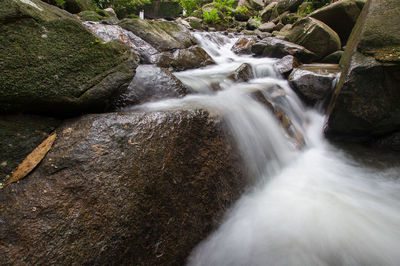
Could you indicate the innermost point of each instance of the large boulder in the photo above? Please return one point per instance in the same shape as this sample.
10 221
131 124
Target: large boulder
252 4
162 35
51 63
20 135
73 6
366 100
315 35
151 83
341 16
162 9
288 5
269 12
274 47
183 59
243 45
315 82
128 189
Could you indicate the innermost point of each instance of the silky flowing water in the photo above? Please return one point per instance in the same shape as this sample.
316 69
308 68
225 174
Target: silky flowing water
309 205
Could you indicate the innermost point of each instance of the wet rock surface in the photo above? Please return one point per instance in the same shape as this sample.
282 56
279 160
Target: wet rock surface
286 64
313 83
243 45
129 188
20 134
183 59
151 83
242 73
274 47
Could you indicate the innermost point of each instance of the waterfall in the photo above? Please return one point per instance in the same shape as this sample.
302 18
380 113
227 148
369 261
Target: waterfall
311 204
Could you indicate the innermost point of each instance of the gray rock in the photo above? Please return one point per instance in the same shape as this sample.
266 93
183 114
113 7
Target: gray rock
267 27
341 16
162 35
274 47
286 64
313 83
242 73
315 36
333 58
269 12
151 83
366 101
126 189
243 45
183 59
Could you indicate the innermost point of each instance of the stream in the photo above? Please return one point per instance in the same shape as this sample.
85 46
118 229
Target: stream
309 204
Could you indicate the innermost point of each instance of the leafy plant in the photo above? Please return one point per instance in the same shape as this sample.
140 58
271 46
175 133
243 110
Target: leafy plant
189 6
242 9
102 3
224 3
60 3
211 17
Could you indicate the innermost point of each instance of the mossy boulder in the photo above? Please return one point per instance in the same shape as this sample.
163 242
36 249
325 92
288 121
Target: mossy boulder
162 9
315 35
52 64
90 16
252 4
123 189
366 100
341 16
288 5
20 135
74 6
162 35
269 12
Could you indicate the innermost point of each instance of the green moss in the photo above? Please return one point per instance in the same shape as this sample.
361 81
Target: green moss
50 62
90 16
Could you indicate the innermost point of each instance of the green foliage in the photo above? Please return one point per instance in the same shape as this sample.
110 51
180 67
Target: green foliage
189 6
102 3
242 9
258 18
211 17
224 3
60 3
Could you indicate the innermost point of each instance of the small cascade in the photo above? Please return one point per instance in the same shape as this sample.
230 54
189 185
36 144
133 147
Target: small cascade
310 203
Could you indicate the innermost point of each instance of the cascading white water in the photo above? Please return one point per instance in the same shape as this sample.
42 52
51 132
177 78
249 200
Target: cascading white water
314 206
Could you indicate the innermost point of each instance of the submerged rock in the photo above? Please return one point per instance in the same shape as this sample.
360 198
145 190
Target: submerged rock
133 188
151 83
366 101
274 47
51 63
313 83
315 35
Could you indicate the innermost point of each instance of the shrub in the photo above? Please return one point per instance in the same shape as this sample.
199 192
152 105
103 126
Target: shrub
211 17
189 6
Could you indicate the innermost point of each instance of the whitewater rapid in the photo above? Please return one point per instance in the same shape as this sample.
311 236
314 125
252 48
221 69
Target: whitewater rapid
315 205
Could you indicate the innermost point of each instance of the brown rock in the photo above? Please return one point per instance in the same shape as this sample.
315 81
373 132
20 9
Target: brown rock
243 45
134 188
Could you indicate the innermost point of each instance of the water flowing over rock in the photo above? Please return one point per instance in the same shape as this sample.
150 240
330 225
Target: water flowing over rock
51 63
138 189
366 100
341 16
243 73
274 47
286 64
151 83
315 36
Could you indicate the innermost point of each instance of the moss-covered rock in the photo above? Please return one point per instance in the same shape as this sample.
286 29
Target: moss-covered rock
51 63
269 12
366 101
90 16
162 9
19 135
73 6
163 35
315 35
341 16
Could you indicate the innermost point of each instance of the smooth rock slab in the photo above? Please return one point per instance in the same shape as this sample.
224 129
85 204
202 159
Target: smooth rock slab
133 188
